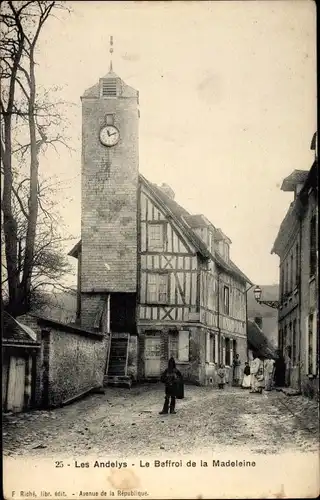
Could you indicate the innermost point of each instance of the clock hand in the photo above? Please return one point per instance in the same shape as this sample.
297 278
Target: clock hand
114 133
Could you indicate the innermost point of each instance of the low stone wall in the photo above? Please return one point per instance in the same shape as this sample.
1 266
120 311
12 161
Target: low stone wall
71 361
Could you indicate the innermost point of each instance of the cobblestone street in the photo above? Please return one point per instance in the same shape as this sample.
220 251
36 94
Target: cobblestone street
126 422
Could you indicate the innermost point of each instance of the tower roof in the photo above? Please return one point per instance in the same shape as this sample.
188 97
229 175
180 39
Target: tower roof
124 89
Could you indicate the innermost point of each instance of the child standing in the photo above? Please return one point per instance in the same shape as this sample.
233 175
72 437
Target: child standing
246 382
221 376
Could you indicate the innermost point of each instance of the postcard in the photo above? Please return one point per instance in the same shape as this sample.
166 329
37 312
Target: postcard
159 250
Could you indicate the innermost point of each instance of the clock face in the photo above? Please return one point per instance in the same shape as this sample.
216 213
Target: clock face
109 135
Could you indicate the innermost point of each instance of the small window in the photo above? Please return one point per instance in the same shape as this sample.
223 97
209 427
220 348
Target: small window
109 87
226 251
109 119
179 345
226 302
158 285
155 237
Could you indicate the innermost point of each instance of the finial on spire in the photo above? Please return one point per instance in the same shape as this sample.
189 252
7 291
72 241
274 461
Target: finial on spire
111 51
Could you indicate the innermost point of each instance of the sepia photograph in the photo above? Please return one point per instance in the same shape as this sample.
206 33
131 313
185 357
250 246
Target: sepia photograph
159 249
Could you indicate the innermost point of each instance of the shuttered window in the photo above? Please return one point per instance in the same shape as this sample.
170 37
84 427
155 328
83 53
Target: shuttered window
155 237
297 265
294 341
179 345
226 300
158 285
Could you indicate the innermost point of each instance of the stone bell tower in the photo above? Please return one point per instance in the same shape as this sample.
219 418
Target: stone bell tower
109 186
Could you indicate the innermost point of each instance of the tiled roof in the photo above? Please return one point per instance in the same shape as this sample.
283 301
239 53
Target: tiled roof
182 216
14 332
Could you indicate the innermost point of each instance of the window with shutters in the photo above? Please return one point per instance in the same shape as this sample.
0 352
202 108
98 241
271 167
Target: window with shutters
156 237
109 87
294 342
226 300
179 345
291 273
297 265
313 246
158 288
287 279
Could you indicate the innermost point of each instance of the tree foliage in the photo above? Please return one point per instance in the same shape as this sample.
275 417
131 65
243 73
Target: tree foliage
31 122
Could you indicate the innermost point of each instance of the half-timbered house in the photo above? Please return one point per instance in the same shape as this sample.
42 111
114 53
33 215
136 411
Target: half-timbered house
162 277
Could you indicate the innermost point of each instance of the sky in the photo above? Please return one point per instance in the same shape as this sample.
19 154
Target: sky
227 103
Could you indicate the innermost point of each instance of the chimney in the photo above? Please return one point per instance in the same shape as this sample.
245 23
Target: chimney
167 190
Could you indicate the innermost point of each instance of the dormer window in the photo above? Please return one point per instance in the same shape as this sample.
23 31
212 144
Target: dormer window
109 87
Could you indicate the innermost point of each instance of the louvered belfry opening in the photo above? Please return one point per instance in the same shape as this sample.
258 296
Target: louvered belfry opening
109 87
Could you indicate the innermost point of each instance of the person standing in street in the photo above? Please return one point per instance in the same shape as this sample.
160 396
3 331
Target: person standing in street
236 370
257 375
172 378
246 382
268 366
280 368
287 360
221 376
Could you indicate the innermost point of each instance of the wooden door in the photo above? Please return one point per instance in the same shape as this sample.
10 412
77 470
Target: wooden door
152 355
16 386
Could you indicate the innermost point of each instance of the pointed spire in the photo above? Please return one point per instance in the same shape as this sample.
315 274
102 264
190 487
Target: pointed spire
111 52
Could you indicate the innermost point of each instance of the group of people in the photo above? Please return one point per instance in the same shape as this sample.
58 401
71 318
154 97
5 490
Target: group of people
264 374
257 375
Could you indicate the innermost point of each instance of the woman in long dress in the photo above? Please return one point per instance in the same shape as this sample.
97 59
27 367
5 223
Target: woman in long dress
236 370
257 375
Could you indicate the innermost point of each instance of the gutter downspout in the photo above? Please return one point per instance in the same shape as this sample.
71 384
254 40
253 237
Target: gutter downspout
246 295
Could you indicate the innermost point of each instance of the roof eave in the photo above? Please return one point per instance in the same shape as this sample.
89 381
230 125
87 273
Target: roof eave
74 252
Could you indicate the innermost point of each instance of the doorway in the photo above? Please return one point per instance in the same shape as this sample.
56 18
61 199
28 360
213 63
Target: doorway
152 354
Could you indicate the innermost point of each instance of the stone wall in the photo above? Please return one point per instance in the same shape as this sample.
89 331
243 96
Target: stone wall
76 364
309 304
71 361
109 196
